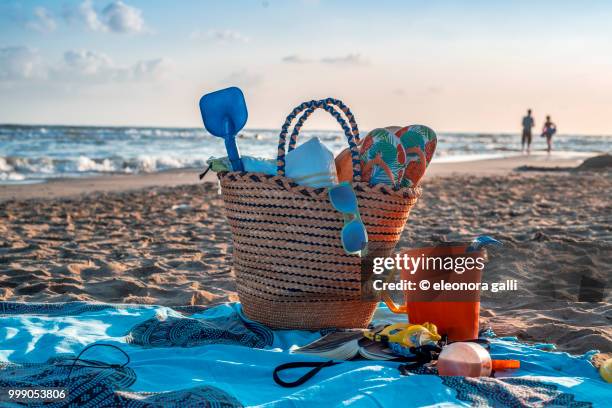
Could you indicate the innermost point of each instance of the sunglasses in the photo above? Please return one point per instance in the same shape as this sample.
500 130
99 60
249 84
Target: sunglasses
354 235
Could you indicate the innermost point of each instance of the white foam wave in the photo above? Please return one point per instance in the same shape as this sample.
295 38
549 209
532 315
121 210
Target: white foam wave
85 164
150 164
26 168
4 166
11 176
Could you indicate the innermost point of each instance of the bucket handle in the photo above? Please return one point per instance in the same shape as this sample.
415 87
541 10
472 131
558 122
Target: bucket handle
394 307
312 105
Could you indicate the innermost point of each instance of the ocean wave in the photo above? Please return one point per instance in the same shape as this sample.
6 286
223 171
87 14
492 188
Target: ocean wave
26 168
85 164
37 153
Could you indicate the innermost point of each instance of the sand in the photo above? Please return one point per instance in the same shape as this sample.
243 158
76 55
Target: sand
163 239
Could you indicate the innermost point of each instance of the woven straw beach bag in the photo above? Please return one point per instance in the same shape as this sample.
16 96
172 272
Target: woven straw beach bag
291 269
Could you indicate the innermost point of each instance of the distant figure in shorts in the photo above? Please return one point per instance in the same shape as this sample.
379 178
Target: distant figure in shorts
528 123
548 131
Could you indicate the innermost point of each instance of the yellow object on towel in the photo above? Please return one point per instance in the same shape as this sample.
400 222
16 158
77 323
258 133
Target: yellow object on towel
406 334
606 370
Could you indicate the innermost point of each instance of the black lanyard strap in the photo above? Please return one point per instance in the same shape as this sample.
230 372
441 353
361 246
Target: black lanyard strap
96 364
316 367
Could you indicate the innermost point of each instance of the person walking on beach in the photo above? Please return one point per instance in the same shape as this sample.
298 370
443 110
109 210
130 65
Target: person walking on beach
528 123
548 131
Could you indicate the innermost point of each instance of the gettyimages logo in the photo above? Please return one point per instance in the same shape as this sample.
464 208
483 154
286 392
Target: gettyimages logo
446 273
412 264
428 278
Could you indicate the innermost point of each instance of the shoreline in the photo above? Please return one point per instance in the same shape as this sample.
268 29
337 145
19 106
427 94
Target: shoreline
73 187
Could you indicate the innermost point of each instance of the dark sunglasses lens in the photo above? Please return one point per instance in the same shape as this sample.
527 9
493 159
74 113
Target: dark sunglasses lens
343 198
354 236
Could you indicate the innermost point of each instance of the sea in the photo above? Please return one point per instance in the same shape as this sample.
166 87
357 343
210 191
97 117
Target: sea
34 154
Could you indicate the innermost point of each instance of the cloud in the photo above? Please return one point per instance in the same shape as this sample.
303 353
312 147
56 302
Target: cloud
99 67
87 63
121 18
43 21
116 17
85 14
152 69
296 59
225 36
350 59
18 63
25 64
243 78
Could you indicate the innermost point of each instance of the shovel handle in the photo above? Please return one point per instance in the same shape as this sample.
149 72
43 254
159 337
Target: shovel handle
233 154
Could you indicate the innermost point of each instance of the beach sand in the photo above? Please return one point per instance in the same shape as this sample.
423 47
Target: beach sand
163 239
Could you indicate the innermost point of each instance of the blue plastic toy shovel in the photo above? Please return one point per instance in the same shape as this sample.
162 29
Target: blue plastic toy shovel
224 114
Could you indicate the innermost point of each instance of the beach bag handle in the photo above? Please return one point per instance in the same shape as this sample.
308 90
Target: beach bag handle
328 101
310 107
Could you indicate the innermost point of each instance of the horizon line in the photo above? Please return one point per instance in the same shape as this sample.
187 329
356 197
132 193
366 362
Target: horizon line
269 129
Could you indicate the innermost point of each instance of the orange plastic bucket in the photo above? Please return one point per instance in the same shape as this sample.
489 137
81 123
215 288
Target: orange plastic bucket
458 319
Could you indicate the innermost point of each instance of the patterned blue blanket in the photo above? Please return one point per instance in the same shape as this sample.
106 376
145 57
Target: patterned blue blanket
218 358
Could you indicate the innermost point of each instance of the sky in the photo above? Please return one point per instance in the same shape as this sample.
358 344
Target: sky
463 66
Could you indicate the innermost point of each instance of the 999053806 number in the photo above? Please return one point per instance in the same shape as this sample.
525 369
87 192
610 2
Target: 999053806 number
33 394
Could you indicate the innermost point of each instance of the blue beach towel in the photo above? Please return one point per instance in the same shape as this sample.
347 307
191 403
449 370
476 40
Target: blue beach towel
217 357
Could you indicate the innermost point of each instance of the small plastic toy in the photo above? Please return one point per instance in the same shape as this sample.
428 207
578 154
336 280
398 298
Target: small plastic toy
224 114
